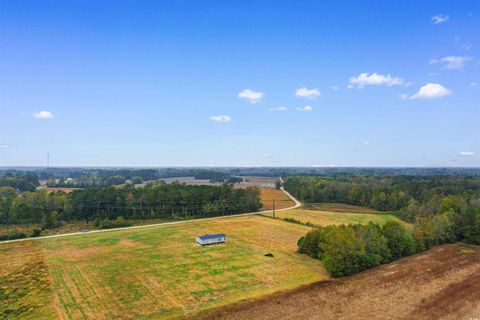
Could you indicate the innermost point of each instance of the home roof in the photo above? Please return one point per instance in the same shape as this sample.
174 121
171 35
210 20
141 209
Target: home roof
211 236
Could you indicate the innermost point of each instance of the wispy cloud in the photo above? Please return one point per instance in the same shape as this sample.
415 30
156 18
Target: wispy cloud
335 87
466 153
473 84
431 91
305 109
4 145
307 93
221 118
374 79
365 142
278 109
251 95
440 18
452 62
43 115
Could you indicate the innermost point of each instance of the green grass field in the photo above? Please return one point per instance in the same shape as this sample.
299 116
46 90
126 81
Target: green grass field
324 218
160 272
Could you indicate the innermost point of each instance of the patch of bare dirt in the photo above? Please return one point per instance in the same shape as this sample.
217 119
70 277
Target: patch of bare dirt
443 283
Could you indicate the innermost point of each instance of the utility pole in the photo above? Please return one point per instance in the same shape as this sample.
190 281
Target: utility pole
273 208
48 160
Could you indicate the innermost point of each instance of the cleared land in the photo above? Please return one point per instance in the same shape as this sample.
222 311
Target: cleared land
324 218
340 207
160 272
443 283
281 199
249 181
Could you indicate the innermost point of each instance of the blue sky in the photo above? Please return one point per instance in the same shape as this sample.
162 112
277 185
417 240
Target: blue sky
162 83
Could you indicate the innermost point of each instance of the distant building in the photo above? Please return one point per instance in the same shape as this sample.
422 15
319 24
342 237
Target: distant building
207 239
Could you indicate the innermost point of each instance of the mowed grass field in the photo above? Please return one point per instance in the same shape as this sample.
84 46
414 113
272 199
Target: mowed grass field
25 291
281 199
159 272
336 214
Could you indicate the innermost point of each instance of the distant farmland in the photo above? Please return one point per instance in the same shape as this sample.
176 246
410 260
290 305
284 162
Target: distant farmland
160 272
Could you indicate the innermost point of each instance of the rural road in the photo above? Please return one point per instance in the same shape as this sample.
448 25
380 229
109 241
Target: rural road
297 204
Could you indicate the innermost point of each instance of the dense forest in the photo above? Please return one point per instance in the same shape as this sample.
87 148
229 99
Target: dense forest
406 196
154 201
440 209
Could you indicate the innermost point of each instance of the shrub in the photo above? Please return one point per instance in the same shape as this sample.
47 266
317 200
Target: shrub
36 233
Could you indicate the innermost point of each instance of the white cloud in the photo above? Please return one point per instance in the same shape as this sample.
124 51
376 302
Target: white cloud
221 118
375 79
251 95
365 142
335 87
473 84
278 109
439 19
403 96
308 93
452 62
305 109
431 91
4 145
43 115
466 153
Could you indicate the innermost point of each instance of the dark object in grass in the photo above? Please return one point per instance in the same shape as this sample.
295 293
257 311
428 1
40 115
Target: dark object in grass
268 255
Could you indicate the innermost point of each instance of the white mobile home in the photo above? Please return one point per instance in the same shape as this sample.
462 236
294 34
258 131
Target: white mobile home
207 239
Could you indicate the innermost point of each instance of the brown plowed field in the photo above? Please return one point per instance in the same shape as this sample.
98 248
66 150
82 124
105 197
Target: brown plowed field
443 283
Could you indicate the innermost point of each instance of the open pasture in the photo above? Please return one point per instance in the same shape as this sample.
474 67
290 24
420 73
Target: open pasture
25 291
324 218
281 199
160 272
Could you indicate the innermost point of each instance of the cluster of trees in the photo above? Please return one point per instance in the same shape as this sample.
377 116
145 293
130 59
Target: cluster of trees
22 181
408 196
156 200
347 249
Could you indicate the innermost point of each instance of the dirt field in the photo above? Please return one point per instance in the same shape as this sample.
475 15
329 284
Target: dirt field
66 190
324 218
281 199
160 272
443 283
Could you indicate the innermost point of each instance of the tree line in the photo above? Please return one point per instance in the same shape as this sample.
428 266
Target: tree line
406 196
441 209
348 249
154 201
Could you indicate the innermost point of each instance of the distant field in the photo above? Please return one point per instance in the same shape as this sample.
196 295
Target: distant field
281 199
324 218
340 207
443 283
249 181
66 190
160 272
